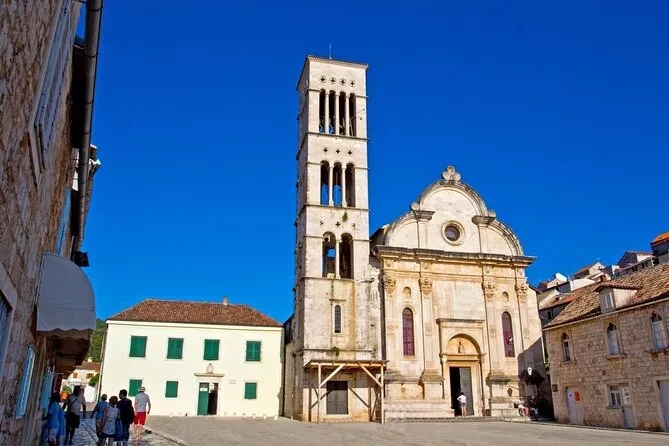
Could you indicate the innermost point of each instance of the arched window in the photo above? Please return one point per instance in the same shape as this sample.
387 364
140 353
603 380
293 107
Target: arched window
352 116
612 337
329 254
407 333
507 333
407 293
342 113
332 99
336 185
350 185
325 183
321 112
337 319
659 331
566 347
346 257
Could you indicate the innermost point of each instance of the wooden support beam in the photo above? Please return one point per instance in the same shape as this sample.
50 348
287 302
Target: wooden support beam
383 391
318 415
341 366
372 376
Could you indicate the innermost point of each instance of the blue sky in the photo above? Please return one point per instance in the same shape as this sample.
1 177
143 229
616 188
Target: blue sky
556 113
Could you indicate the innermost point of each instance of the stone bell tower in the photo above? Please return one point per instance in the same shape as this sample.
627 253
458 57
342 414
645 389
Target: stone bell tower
333 315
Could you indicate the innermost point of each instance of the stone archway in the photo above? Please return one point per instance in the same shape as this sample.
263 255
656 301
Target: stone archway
462 373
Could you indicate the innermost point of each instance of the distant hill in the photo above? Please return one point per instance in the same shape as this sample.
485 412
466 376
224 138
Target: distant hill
95 351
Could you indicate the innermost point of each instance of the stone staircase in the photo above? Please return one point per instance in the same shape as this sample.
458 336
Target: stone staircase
434 411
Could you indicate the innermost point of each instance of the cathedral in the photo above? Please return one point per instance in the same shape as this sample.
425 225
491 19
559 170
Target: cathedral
397 325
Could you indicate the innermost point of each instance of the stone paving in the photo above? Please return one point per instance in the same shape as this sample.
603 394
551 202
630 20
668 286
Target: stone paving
85 436
206 431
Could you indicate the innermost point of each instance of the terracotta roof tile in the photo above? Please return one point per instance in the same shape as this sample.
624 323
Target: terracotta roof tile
660 238
86 365
181 312
651 284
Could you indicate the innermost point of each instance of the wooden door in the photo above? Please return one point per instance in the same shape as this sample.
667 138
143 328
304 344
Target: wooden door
664 399
203 399
337 397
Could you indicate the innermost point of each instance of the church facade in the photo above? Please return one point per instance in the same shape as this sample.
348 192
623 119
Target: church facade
397 325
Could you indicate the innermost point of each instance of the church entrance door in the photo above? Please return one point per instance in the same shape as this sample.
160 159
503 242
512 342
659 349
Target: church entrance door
461 381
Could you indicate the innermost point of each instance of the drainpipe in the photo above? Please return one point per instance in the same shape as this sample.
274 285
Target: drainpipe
91 49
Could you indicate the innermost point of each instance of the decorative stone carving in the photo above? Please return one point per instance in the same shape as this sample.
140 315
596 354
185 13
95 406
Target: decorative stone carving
521 290
526 332
387 263
389 284
428 328
461 348
425 266
492 330
489 289
425 285
450 174
390 328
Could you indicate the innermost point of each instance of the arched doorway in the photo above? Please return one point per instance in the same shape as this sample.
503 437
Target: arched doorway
462 374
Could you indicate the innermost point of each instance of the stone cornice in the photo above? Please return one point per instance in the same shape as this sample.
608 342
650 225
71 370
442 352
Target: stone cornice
434 255
482 220
423 215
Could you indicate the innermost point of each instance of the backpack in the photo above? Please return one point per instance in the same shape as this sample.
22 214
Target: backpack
127 411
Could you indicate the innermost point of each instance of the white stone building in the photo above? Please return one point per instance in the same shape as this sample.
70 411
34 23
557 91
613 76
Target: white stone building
195 358
435 303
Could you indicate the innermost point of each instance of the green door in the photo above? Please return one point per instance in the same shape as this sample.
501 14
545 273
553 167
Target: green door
203 399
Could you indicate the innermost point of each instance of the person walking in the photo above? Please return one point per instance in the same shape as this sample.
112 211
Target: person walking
99 412
126 414
53 420
110 418
73 405
462 399
142 409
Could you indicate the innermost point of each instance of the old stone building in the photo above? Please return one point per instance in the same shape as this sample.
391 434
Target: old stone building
434 304
609 353
47 311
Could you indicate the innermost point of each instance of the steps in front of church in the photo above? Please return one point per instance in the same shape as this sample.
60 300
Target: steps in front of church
431 411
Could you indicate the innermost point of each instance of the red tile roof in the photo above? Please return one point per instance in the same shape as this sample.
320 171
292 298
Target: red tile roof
181 312
651 284
95 366
660 238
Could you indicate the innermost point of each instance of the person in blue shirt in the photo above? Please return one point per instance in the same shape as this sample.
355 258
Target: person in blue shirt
54 418
99 412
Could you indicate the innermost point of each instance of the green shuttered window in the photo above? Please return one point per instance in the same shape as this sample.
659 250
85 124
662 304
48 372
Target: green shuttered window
133 386
138 346
211 349
175 348
171 389
250 391
253 350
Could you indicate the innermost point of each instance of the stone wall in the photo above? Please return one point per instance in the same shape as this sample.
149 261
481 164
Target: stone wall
591 371
30 200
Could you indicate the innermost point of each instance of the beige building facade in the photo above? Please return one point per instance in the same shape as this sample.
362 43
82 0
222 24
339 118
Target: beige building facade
609 353
43 116
397 325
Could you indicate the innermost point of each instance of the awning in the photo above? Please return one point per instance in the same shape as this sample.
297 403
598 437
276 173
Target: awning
66 303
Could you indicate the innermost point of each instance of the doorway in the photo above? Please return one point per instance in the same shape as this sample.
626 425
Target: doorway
461 382
664 399
574 406
207 399
337 398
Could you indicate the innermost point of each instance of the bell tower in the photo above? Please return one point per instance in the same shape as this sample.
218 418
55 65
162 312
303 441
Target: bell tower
333 314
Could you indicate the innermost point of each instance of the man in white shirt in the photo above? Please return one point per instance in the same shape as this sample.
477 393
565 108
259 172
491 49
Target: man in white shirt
462 399
73 406
142 409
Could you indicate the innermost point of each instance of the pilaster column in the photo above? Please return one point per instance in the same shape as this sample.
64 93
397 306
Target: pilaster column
330 186
327 112
346 118
389 283
343 186
337 258
336 114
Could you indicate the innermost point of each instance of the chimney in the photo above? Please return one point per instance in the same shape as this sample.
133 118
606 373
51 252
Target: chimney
225 300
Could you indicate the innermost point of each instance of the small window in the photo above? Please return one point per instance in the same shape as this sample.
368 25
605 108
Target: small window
75 375
175 348
253 351
138 346
407 333
89 375
607 301
250 391
211 349
171 389
613 342
615 397
566 348
507 332
4 328
133 386
337 319
659 332
452 233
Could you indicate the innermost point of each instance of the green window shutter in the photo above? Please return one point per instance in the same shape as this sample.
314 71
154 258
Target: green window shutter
253 350
175 348
250 391
171 389
134 386
211 349
138 346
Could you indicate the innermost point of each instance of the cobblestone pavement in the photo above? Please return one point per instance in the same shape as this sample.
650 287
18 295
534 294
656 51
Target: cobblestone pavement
85 436
207 431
